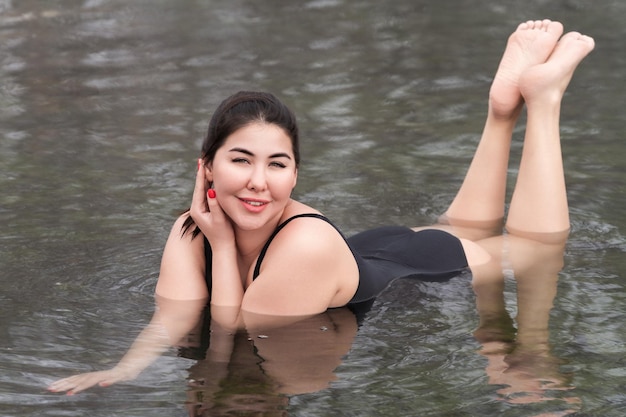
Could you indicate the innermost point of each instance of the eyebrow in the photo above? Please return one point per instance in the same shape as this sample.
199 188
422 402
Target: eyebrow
247 152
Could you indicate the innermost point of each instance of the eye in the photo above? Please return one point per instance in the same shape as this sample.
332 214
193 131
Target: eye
240 161
277 164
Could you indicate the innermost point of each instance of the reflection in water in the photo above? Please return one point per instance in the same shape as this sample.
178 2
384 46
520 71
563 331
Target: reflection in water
101 101
256 371
520 359
234 386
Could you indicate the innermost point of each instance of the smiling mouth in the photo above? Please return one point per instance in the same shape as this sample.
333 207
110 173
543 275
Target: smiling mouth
254 203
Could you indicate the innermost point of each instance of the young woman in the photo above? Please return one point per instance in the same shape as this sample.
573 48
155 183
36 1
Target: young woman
254 252
266 253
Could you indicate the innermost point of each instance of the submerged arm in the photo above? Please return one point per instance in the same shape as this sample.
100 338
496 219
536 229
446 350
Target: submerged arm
172 320
181 295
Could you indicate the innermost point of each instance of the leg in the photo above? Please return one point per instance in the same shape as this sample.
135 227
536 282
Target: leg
539 207
480 200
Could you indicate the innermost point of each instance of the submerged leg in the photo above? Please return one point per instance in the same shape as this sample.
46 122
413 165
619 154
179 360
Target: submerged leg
480 200
539 203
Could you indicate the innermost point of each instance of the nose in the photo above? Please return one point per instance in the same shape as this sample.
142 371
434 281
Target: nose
258 179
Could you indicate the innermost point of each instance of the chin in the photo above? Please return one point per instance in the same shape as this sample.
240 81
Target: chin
251 224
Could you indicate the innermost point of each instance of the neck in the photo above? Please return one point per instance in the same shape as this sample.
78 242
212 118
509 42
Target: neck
250 242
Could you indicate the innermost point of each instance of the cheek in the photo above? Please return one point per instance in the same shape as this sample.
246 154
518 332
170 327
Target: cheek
284 187
225 179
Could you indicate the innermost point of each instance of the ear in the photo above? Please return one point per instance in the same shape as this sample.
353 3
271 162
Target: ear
208 171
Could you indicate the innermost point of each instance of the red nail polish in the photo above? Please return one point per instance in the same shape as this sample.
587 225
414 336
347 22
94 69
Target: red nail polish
199 163
211 193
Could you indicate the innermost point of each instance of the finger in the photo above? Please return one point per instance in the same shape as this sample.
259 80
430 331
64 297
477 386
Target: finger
62 384
85 383
78 388
198 201
76 383
214 205
68 387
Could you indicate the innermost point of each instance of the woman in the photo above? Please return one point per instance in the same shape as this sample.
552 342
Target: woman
254 252
249 166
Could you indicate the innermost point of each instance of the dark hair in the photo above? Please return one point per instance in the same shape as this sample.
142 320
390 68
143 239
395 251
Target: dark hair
240 110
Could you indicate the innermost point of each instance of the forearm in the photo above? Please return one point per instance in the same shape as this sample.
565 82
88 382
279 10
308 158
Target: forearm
148 346
151 343
227 286
172 321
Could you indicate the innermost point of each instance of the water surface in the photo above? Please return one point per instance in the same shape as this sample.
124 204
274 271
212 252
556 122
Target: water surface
103 107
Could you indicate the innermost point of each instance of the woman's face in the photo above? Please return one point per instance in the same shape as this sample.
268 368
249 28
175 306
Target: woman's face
253 174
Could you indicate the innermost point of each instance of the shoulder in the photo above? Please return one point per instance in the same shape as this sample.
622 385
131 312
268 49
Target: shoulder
302 221
181 233
310 234
183 265
308 268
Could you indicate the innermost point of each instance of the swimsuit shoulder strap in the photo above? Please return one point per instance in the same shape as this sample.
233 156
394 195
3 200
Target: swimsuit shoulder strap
257 267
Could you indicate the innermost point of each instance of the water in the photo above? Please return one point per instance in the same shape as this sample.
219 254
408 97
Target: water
103 107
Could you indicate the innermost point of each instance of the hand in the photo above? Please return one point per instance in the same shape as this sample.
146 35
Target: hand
77 383
208 215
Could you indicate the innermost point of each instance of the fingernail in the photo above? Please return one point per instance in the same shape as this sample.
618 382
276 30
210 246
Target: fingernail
199 163
211 193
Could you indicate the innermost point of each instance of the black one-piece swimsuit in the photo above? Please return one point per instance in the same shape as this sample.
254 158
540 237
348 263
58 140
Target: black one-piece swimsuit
385 254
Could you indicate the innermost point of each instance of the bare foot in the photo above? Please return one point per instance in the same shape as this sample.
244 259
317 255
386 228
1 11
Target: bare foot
531 44
549 80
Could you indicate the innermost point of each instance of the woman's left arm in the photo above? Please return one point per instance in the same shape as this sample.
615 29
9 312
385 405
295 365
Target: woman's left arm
307 269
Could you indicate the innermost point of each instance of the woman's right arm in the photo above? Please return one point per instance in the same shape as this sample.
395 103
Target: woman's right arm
181 296
182 275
